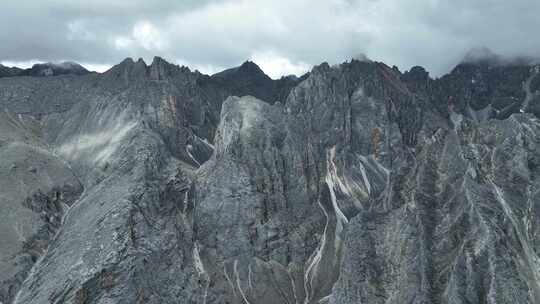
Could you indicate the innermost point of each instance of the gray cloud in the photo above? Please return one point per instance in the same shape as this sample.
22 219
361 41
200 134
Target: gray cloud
282 36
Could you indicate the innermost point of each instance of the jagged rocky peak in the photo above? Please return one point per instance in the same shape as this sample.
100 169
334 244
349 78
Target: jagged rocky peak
247 71
417 73
250 67
250 78
128 69
159 69
483 86
417 79
487 85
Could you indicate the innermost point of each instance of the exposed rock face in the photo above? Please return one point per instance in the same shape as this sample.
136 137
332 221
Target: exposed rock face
353 184
37 189
464 225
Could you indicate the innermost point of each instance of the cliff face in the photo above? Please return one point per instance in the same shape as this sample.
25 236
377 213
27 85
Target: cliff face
354 184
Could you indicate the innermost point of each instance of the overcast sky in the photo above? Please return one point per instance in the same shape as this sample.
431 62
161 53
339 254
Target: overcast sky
283 37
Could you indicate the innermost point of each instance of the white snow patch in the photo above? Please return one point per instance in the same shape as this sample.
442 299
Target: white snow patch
364 177
316 259
351 186
229 279
238 282
189 148
198 262
330 250
206 142
250 282
331 175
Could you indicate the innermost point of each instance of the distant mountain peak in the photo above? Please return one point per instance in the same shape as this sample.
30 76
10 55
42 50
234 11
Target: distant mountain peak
45 69
159 69
250 66
248 69
159 60
127 61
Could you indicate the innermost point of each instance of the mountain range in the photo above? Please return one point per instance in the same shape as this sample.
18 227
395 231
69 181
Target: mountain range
354 183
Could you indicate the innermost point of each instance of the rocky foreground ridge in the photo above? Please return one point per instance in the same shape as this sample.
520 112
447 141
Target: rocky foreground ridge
355 183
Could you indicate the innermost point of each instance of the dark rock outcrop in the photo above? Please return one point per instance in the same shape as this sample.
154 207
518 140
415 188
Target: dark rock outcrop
9 71
249 79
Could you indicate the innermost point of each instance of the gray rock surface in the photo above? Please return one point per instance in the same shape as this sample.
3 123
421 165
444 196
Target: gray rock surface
353 184
37 188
